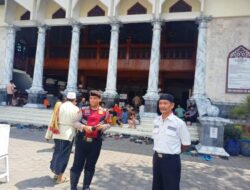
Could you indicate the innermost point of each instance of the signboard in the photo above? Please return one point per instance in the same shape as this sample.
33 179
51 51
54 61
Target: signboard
238 71
4 139
123 96
213 132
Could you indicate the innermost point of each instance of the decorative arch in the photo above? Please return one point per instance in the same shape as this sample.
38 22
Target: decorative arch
137 8
25 16
60 13
96 11
180 6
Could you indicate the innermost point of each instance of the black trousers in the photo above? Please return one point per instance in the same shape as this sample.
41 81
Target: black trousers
61 156
166 172
86 156
9 98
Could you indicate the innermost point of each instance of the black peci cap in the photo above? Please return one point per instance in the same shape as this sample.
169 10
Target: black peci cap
168 97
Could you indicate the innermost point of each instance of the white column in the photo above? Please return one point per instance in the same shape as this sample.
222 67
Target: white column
73 62
152 91
110 90
204 105
9 56
200 68
37 83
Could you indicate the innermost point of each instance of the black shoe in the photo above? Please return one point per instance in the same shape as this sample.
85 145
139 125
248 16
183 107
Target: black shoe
85 188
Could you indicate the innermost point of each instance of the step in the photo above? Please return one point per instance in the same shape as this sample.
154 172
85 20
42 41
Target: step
135 132
41 117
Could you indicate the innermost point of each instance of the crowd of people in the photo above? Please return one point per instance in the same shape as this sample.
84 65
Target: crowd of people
125 114
83 120
120 115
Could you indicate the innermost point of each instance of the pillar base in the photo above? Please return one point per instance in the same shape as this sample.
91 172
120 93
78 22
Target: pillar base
2 97
70 90
110 98
35 100
212 136
211 150
109 101
151 104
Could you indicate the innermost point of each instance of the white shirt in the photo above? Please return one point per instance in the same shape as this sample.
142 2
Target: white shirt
67 115
169 134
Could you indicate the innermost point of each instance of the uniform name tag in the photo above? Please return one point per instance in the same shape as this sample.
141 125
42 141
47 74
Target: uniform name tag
171 128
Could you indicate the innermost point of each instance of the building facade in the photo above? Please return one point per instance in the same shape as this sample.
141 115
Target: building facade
126 46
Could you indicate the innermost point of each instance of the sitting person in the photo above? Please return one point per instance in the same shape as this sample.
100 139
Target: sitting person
112 114
124 116
46 102
132 120
180 112
191 115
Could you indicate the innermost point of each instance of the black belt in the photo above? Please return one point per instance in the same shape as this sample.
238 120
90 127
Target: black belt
81 136
161 155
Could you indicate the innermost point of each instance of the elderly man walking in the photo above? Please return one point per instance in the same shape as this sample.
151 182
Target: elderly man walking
62 131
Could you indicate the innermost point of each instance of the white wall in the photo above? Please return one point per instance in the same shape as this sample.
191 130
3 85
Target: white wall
227 8
224 35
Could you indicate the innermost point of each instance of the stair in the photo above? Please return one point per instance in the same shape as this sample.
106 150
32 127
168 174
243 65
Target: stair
146 128
25 116
41 117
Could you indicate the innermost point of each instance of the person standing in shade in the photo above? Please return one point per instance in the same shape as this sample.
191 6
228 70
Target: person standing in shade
61 129
91 123
171 137
10 89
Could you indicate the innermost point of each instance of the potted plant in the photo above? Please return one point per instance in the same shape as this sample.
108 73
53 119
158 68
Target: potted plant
232 135
242 112
245 146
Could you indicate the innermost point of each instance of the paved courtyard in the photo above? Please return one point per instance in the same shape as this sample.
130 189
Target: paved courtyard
123 165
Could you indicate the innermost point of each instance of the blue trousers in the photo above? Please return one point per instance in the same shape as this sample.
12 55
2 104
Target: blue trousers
60 156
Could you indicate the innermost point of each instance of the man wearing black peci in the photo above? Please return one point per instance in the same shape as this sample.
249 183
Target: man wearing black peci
171 137
91 122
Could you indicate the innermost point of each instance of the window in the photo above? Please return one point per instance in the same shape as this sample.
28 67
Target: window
96 11
25 16
137 9
180 6
60 13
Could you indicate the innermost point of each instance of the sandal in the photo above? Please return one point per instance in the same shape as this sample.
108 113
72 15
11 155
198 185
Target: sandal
55 177
63 180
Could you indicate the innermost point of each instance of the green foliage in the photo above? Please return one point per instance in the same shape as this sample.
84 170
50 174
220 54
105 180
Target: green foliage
242 111
245 138
232 132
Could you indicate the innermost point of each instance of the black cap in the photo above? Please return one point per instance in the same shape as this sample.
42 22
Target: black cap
95 93
168 97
